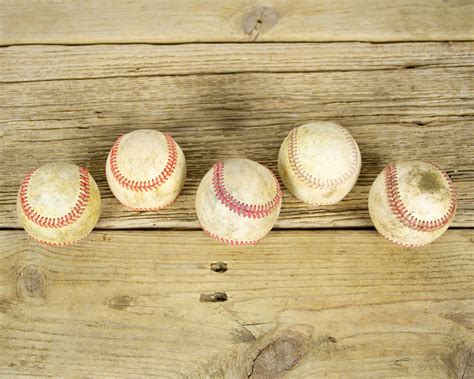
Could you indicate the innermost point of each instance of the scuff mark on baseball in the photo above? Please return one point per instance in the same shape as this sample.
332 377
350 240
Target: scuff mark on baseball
412 203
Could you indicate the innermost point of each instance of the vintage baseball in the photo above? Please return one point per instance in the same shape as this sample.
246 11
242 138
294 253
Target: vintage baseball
58 203
319 163
146 170
238 201
412 203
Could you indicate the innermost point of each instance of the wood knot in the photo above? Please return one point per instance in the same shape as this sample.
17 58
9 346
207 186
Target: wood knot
31 283
120 302
258 21
274 356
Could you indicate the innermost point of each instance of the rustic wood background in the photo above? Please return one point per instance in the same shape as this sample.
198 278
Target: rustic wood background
148 294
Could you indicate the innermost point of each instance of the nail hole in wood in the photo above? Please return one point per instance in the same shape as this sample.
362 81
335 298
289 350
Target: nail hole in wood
219 267
213 297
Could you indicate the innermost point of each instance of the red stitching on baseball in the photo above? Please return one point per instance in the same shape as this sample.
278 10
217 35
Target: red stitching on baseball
312 181
400 210
56 222
243 209
55 244
228 241
403 244
145 185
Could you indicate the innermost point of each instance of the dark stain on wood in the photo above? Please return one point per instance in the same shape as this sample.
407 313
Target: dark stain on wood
120 302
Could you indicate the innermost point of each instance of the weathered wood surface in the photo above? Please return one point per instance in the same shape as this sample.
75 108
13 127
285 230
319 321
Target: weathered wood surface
37 63
336 304
171 21
400 101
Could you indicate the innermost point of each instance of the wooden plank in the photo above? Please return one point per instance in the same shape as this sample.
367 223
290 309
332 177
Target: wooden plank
171 21
335 304
400 101
36 63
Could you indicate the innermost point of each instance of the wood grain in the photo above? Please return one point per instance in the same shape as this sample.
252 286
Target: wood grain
400 101
171 21
41 63
337 304
300 304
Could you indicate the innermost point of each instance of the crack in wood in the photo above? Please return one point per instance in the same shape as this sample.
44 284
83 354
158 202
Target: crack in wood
275 354
222 73
259 20
468 361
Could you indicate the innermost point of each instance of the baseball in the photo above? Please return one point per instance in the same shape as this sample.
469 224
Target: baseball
146 170
412 203
58 203
238 201
319 163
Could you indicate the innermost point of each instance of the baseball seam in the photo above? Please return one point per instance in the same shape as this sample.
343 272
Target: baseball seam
403 244
55 244
56 222
228 241
311 180
144 185
400 210
246 210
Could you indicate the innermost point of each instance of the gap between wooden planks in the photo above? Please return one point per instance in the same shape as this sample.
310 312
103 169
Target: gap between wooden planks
399 101
172 21
336 304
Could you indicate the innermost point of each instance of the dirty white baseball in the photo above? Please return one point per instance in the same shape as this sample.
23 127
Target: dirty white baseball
412 203
146 169
319 163
238 201
58 203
